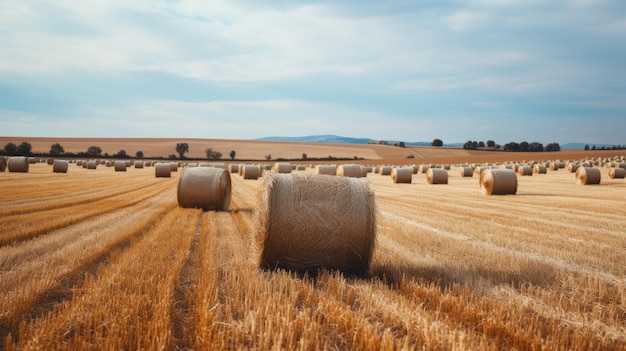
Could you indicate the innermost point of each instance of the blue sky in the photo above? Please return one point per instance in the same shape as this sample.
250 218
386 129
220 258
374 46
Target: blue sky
505 70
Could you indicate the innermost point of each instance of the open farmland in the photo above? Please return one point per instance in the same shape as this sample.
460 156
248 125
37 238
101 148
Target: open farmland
98 259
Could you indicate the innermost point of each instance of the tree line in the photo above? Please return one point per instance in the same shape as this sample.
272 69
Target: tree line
524 146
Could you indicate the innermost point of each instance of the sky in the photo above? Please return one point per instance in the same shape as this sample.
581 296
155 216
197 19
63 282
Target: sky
503 70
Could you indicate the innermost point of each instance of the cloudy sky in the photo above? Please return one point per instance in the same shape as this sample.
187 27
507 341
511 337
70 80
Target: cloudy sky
506 70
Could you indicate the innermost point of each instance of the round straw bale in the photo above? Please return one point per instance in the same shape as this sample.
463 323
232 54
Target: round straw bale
350 170
204 187
498 182
572 167
385 170
539 169
617 173
282 167
402 175
587 176
250 171
366 170
79 162
32 160
192 164
327 169
3 164
50 161
437 176
60 166
219 165
92 164
467 172
108 163
173 166
120 166
138 164
18 164
620 165
307 222
554 166
415 169
423 168
525 170
233 168
162 170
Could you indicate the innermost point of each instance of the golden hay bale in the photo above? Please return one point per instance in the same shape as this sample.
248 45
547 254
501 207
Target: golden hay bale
617 173
366 170
250 171
402 175
50 161
32 160
307 222
204 187
437 176
108 163
192 164
620 165
120 166
326 169
539 169
218 165
79 162
553 166
385 170
138 164
18 164
233 168
93 164
423 168
173 166
162 170
587 176
350 170
467 172
498 182
60 166
3 164
573 167
282 167
525 170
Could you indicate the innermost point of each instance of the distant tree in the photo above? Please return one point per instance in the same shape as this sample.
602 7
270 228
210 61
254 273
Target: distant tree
10 149
469 145
437 142
401 144
181 148
172 156
56 149
213 155
24 149
139 154
481 144
587 147
94 151
553 147
524 146
593 147
491 143
232 154
268 157
304 156
121 154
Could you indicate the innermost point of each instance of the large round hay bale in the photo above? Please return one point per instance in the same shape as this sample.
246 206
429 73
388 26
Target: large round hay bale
282 167
60 166
119 166
467 172
93 164
385 170
250 171
539 169
350 170
326 169
588 176
162 170
207 188
437 176
402 175
525 170
3 164
138 164
617 173
498 182
307 222
18 164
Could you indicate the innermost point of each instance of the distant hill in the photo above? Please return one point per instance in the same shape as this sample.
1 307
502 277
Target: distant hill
581 146
329 138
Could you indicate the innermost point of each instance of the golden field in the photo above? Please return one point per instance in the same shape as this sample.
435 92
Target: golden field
98 259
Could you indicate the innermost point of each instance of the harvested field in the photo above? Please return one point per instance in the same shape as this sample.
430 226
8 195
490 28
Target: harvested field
107 260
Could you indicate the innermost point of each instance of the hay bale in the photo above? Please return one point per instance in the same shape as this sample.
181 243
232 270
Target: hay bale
18 164
60 166
617 173
588 176
307 222
3 164
572 167
250 171
32 160
173 166
498 182
207 188
554 166
437 176
350 170
385 170
620 165
467 172
282 167
218 165
233 168
162 170
402 175
93 164
138 164
423 168
119 166
366 170
326 169
539 169
50 161
525 170
79 162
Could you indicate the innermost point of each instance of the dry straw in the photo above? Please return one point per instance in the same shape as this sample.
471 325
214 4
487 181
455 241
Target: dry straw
402 175
282 167
307 222
437 176
326 169
3 164
587 176
467 172
498 182
250 171
617 173
539 169
120 166
525 170
350 170
162 170
207 188
18 164
60 166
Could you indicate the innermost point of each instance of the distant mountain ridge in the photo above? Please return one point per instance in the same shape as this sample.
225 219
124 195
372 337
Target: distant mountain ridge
330 138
